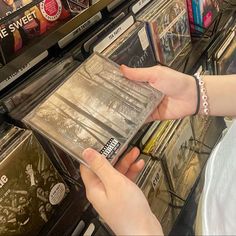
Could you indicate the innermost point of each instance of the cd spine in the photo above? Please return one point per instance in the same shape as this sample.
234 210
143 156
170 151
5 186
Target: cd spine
197 14
190 14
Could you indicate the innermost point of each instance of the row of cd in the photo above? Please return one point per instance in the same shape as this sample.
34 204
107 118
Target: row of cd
32 190
22 21
108 115
166 35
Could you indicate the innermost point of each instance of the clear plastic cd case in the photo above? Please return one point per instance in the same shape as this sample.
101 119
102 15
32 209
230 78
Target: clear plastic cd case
133 48
170 31
96 107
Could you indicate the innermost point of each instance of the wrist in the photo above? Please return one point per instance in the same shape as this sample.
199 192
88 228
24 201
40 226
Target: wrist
191 94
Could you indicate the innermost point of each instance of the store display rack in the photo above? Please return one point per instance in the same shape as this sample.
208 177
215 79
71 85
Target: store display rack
190 59
45 42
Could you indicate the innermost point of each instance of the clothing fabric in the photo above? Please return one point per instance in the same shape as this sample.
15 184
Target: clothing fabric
217 207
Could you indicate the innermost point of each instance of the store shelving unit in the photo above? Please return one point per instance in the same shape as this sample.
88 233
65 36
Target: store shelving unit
45 42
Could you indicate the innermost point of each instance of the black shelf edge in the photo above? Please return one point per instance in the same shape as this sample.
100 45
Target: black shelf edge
46 42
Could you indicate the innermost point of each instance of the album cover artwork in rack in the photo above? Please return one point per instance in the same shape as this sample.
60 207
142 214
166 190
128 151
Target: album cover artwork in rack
8 135
182 163
204 12
77 6
133 48
155 187
31 188
96 107
9 7
170 31
29 24
226 64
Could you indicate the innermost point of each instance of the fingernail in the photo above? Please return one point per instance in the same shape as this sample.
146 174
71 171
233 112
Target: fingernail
89 155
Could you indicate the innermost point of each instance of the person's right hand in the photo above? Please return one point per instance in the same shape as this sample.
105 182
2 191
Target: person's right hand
179 89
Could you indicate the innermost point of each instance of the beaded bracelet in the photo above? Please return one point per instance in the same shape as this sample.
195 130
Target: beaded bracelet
204 96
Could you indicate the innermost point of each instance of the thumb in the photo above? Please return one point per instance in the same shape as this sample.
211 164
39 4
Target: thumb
99 165
140 74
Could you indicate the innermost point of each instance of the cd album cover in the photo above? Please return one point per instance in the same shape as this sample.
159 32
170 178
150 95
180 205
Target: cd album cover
204 12
170 31
76 6
31 188
178 153
155 187
226 64
96 107
18 31
8 7
133 48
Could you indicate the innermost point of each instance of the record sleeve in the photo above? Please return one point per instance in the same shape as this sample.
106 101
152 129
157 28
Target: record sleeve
133 48
169 28
96 107
31 188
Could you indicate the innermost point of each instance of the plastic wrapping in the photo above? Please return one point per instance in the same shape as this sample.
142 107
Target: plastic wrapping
31 188
133 48
96 107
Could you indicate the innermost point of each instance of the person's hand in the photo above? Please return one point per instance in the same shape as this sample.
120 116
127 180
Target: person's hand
117 199
129 166
179 89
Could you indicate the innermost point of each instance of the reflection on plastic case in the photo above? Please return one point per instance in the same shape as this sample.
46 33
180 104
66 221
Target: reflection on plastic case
96 107
31 188
133 48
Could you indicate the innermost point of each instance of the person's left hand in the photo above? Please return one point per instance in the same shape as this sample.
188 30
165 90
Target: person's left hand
129 166
117 199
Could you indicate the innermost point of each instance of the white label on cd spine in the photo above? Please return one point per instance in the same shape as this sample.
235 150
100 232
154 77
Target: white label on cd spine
90 230
81 29
114 4
117 32
139 5
199 70
142 34
225 45
23 70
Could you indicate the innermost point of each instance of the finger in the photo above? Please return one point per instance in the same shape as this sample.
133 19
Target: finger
124 164
135 170
100 166
93 185
140 74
